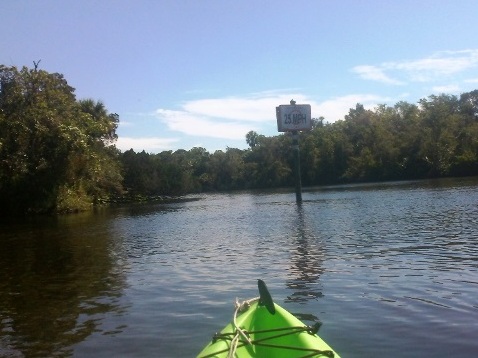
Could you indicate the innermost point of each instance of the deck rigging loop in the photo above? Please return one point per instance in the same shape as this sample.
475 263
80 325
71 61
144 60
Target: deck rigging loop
236 341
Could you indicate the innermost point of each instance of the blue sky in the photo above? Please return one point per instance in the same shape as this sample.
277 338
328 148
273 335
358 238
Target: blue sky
185 74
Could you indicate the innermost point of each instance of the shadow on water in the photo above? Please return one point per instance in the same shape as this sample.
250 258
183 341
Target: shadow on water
57 281
154 208
306 261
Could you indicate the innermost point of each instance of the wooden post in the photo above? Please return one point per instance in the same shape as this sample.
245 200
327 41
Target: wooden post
298 181
295 148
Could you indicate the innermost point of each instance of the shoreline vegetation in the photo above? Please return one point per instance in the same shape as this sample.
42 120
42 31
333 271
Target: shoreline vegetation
143 199
58 154
137 199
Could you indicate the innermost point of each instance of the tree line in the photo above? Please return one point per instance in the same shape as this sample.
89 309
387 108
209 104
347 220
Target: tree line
438 137
57 153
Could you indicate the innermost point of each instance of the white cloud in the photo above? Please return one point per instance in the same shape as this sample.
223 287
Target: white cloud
471 80
197 125
123 123
232 117
255 108
149 144
446 89
336 108
443 63
375 73
438 66
227 118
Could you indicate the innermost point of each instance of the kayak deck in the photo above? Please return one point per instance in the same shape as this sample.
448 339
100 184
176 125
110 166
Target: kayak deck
256 332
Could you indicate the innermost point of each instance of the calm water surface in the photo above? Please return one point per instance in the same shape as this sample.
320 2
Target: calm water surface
390 269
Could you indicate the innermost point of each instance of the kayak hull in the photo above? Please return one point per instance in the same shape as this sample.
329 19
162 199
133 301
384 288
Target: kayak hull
271 335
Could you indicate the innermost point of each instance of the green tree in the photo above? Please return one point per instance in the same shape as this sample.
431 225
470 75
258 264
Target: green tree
360 130
333 148
253 139
102 125
439 123
50 158
38 133
102 173
466 159
227 169
269 164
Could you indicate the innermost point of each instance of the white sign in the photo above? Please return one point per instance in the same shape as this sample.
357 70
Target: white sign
294 117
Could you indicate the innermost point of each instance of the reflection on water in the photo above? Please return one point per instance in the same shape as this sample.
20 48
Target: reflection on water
306 261
390 269
57 280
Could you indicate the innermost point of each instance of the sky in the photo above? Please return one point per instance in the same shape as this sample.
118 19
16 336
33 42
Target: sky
203 73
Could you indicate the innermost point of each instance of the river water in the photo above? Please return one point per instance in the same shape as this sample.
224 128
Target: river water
389 269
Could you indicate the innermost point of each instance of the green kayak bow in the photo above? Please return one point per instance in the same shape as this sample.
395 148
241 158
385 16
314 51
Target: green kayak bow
262 328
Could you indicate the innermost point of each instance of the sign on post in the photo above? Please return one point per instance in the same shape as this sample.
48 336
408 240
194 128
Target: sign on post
294 117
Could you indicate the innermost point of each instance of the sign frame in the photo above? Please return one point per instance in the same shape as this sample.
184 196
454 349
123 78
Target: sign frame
294 117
